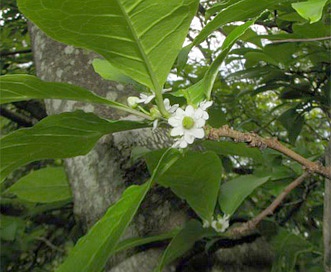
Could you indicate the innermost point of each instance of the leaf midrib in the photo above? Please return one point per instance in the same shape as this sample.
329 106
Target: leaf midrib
140 47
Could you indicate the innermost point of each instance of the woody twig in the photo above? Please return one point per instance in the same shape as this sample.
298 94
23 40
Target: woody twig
255 140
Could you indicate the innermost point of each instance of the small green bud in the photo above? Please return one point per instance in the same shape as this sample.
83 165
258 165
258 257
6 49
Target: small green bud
133 101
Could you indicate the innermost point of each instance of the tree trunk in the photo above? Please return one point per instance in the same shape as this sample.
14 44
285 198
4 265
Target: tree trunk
99 178
327 215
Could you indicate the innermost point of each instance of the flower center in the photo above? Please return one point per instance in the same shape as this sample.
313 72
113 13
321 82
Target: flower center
188 122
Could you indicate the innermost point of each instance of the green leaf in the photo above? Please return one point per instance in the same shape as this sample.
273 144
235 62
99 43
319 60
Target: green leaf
140 38
197 92
24 87
235 191
217 117
10 227
65 135
181 243
43 186
139 241
238 11
311 10
107 71
195 178
233 149
293 122
287 247
94 249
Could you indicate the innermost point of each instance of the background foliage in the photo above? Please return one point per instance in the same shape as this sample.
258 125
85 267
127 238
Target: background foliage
275 82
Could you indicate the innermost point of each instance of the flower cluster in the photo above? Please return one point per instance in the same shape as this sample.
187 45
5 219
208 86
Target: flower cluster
220 224
188 124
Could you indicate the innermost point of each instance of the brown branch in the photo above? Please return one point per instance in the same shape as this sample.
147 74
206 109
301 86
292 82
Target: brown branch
302 40
4 54
249 226
20 119
255 140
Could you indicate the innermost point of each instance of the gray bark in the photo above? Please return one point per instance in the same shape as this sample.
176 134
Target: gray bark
99 178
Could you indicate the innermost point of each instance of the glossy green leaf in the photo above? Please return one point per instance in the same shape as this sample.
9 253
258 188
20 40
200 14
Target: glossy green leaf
202 89
287 247
94 249
58 136
311 10
140 38
195 178
235 191
233 149
24 87
181 243
43 186
107 71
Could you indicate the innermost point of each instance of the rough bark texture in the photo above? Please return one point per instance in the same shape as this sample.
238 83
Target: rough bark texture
99 178
327 216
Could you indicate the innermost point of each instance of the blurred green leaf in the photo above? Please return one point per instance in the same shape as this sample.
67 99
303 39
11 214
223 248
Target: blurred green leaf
288 119
287 247
235 191
10 226
234 149
311 10
181 243
43 186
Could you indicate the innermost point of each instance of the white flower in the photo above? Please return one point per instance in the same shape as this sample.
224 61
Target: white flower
133 101
221 223
188 124
206 224
145 98
168 107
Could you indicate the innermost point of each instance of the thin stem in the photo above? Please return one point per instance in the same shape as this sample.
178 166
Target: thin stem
4 54
160 104
20 119
303 40
255 140
251 225
133 111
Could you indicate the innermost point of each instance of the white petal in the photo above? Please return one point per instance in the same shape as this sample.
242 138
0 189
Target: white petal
177 131
173 108
149 99
179 112
155 123
175 121
199 123
199 113
205 104
183 143
166 103
189 138
198 133
189 111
